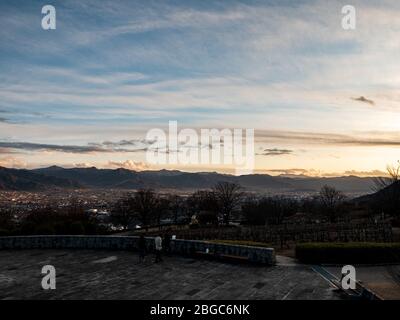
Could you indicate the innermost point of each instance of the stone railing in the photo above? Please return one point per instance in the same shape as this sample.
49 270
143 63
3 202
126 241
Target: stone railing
182 247
219 250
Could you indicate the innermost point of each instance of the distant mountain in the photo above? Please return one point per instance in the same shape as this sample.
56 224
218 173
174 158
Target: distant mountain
27 180
347 184
51 177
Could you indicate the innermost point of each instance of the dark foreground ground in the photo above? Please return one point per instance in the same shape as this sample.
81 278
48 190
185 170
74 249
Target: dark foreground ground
383 280
118 275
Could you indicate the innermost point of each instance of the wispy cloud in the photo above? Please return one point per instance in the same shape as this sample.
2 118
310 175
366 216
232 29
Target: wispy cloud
12 162
121 146
365 100
113 67
128 164
366 139
275 152
50 147
318 173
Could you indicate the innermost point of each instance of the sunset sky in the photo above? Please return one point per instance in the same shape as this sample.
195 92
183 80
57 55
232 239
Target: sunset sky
322 100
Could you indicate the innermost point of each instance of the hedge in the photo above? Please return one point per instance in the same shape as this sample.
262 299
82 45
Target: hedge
348 253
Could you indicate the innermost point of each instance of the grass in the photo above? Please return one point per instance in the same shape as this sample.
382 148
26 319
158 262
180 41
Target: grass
349 252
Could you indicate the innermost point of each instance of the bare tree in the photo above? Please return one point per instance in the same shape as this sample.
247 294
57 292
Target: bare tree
176 206
383 182
6 221
145 203
122 212
387 196
331 199
228 197
162 207
204 204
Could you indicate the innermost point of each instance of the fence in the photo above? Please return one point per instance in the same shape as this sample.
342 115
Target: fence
341 232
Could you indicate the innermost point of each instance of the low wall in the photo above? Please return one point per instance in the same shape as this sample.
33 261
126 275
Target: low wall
178 246
253 254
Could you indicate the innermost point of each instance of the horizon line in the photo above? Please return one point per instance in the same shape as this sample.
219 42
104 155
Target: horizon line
256 172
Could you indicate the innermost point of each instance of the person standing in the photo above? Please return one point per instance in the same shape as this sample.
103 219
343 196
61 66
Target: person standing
167 243
158 247
142 248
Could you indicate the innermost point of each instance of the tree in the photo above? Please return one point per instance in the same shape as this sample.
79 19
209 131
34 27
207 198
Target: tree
122 212
252 212
141 205
176 206
204 204
393 176
331 199
228 196
278 208
144 203
162 206
271 210
6 222
387 196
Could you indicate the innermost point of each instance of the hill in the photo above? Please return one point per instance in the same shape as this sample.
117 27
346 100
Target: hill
51 177
26 180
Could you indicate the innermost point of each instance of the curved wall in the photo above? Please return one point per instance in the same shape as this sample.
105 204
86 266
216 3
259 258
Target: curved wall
184 247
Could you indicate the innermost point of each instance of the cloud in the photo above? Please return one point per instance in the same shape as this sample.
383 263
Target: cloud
123 146
275 152
119 66
51 147
8 151
128 164
372 139
107 146
293 171
138 144
90 148
365 100
371 173
12 162
83 165
319 173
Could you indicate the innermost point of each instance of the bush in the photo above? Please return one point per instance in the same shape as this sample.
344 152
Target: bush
27 228
76 227
44 230
4 232
348 253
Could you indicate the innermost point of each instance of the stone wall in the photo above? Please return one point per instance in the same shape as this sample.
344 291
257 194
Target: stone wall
178 246
220 250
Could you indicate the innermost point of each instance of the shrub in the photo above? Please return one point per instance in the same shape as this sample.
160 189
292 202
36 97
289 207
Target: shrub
44 230
4 232
76 227
348 253
27 228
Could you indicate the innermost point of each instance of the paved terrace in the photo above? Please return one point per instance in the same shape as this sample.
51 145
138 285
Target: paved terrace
94 274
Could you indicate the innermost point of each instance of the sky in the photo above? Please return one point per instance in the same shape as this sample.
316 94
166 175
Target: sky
322 100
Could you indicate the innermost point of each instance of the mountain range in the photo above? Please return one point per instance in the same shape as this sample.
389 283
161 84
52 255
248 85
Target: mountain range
58 177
